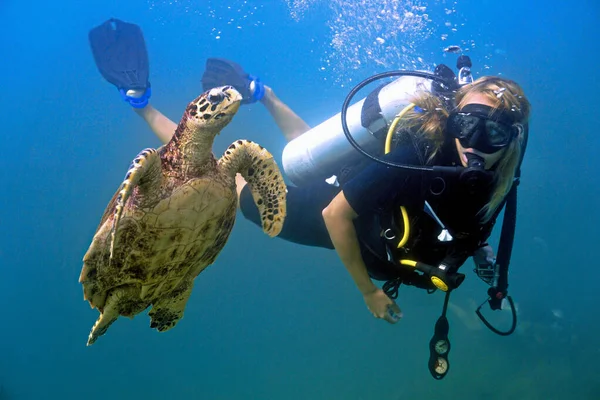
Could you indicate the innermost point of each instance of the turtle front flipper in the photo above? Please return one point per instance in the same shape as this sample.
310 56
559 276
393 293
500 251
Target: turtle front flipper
167 311
144 172
260 170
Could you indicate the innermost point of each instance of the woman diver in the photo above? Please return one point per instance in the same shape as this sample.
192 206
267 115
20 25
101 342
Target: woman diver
487 124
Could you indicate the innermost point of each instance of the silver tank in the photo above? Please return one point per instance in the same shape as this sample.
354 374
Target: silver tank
321 152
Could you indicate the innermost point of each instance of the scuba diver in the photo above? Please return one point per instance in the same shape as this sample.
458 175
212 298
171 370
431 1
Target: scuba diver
445 163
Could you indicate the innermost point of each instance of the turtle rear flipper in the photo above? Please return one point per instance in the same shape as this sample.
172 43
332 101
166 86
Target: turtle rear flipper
167 311
120 301
145 173
260 170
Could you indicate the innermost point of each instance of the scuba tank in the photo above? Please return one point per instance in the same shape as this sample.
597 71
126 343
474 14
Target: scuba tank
324 150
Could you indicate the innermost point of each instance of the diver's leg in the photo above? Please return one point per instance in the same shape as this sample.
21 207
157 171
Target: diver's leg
240 182
162 126
290 124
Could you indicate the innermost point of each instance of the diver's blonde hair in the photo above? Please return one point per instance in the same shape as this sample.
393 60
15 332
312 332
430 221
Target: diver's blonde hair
506 96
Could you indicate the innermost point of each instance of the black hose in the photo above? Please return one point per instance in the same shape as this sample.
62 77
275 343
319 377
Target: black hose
490 327
364 83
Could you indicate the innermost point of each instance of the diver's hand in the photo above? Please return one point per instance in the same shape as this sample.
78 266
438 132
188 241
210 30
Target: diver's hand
381 306
484 256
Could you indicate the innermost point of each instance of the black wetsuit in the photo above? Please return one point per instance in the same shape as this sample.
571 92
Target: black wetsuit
372 194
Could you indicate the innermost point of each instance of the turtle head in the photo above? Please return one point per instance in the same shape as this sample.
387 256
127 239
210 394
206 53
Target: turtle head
214 109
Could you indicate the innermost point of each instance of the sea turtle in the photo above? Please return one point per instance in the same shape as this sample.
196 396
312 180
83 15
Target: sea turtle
173 214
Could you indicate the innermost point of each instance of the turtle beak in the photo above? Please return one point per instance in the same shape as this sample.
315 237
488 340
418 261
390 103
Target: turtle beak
226 97
232 95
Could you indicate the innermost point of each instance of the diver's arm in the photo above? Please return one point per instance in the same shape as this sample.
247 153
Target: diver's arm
339 217
162 126
288 121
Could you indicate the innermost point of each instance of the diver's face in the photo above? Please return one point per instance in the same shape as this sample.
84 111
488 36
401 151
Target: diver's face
490 159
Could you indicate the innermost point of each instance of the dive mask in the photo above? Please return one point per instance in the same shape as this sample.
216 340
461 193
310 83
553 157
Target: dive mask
482 128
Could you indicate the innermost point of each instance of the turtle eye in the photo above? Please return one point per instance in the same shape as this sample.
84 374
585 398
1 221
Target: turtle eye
216 98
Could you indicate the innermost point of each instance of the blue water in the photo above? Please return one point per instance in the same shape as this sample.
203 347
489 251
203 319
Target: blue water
271 320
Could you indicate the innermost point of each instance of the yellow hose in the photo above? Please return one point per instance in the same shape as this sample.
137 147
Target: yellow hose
388 146
390 134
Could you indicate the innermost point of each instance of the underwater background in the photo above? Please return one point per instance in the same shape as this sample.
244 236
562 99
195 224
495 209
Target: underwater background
273 320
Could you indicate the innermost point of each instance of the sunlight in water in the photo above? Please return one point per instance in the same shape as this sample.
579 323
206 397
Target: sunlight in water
365 36
379 35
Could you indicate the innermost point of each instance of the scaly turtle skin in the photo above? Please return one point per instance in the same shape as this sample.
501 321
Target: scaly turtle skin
173 214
